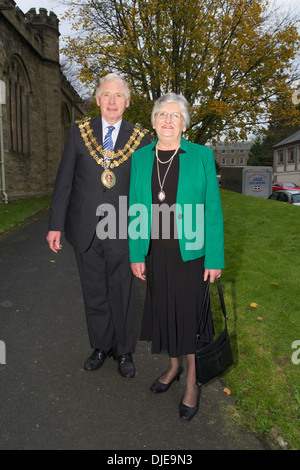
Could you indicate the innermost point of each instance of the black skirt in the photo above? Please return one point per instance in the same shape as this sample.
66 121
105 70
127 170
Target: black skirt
174 296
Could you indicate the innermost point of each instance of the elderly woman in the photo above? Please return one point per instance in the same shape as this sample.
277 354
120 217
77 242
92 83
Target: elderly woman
175 241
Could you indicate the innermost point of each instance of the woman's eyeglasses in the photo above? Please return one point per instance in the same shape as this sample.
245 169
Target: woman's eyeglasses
173 116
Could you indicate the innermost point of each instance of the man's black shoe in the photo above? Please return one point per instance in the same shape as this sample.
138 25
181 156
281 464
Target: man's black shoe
126 366
96 360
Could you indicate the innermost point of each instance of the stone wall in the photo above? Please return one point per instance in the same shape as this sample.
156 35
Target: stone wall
40 102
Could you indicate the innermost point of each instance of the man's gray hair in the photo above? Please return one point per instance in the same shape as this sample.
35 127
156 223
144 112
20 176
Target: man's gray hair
172 98
113 76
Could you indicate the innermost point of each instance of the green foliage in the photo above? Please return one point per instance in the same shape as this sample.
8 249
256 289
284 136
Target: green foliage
139 111
261 152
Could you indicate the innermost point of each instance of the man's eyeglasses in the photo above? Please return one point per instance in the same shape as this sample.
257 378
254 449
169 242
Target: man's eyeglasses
173 116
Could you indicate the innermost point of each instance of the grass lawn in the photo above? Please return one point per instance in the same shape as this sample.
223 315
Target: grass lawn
16 212
262 243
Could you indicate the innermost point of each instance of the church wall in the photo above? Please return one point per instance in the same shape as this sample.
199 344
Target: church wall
34 123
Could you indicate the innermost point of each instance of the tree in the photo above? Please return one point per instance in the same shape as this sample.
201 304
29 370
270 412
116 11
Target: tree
70 72
261 152
232 59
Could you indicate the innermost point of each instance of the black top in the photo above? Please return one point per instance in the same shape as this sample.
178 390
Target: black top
163 219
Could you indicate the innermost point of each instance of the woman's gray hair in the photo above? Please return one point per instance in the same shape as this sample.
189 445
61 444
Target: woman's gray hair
113 76
172 98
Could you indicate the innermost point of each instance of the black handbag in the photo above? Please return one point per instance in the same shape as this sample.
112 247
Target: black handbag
215 357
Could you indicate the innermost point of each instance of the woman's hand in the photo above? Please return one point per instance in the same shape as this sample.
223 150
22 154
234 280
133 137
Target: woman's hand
212 273
139 270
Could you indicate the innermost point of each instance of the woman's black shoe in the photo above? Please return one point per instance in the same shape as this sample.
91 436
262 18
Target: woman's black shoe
159 387
188 412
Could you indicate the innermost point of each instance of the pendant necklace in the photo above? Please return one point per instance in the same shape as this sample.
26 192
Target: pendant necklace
162 194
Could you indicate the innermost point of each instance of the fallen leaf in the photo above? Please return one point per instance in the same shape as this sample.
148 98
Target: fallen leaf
246 392
234 412
227 391
253 304
260 318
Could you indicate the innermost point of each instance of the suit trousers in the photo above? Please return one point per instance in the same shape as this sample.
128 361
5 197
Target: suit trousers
107 286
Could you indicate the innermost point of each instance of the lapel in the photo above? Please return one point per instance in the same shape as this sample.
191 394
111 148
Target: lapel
185 160
96 125
124 134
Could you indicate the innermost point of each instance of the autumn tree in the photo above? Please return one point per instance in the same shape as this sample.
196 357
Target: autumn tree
279 128
232 59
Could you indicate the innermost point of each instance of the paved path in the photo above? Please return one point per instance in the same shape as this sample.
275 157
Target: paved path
48 401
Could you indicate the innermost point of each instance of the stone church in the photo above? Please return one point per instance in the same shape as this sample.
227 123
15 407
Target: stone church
37 103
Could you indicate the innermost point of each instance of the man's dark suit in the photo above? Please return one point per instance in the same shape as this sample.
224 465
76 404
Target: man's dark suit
104 266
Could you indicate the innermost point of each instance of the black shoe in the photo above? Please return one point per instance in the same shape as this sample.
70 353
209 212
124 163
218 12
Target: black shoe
96 360
159 387
126 366
188 412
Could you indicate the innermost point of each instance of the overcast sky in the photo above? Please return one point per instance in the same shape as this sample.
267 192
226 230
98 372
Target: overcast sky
50 5
58 9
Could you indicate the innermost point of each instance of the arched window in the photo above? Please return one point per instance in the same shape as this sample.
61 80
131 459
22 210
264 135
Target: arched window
18 106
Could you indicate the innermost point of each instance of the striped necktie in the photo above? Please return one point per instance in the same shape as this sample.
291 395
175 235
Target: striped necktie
108 142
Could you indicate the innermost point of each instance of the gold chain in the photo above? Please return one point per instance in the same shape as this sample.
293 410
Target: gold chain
94 148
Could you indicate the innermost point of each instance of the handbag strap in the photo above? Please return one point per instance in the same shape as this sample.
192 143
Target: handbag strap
205 305
222 298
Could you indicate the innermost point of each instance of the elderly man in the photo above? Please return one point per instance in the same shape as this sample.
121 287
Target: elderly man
95 171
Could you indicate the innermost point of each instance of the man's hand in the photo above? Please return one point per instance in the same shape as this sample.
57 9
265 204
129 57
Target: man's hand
53 239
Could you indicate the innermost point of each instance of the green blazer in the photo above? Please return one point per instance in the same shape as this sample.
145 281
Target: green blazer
199 218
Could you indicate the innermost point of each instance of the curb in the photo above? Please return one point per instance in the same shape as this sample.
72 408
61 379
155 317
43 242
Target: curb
275 441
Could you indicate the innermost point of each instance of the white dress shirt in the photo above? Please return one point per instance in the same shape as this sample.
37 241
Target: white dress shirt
115 132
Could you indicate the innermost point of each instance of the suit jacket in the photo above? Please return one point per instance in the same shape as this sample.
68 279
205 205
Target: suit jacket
78 189
197 186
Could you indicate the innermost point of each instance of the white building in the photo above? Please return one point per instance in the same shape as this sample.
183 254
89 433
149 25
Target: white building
286 159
